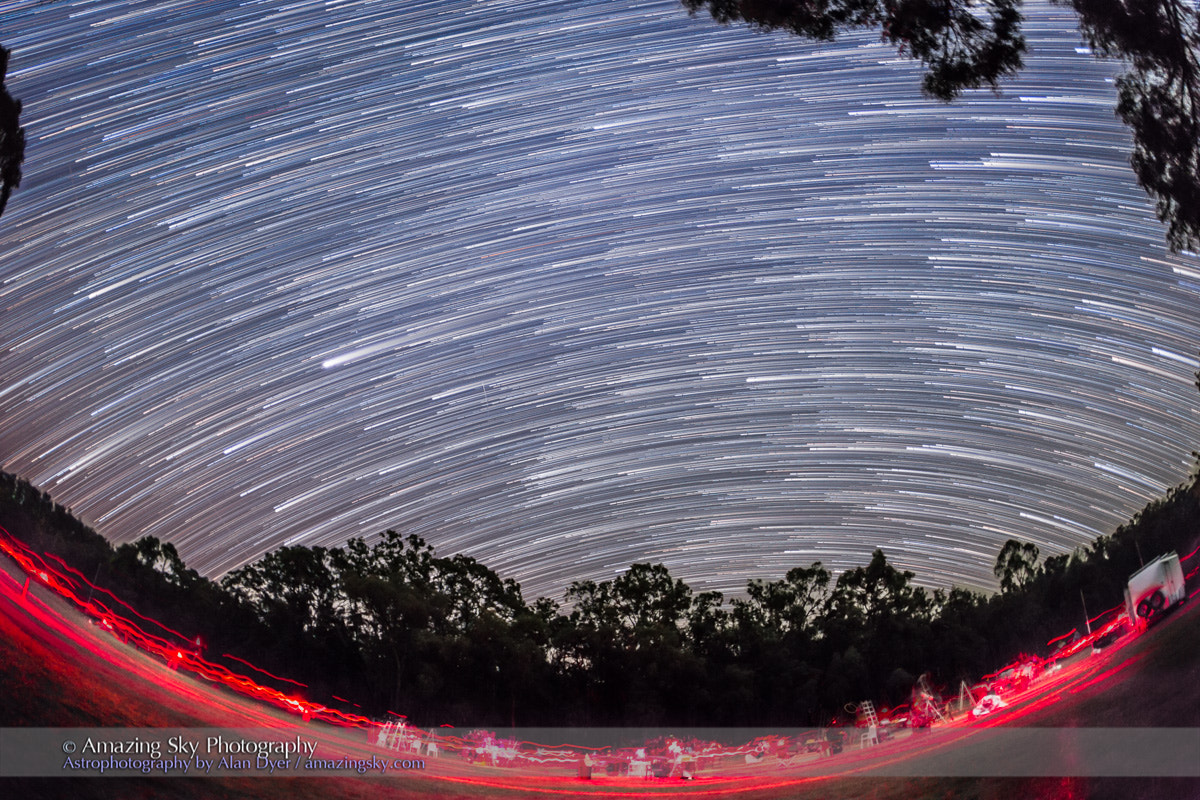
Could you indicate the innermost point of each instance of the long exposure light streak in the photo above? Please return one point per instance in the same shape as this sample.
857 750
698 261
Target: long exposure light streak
763 763
565 286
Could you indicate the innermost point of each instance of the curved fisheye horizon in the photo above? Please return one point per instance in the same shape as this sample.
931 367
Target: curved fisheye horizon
570 287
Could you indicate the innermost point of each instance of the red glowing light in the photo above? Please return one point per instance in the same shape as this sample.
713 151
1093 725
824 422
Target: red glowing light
263 671
129 631
1048 687
1104 613
1071 632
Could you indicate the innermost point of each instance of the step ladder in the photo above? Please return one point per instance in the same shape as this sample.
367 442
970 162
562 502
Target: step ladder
867 708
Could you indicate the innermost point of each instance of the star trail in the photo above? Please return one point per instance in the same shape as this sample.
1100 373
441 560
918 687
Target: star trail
566 286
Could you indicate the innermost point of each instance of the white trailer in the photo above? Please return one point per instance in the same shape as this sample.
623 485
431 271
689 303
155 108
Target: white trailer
1153 589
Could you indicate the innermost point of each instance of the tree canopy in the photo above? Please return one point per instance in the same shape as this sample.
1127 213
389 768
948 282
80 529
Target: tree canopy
12 137
392 625
971 44
1016 565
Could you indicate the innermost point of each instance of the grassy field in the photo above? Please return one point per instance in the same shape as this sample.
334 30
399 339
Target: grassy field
47 682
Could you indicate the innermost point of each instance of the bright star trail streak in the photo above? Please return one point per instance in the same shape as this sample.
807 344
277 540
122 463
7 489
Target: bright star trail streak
567 286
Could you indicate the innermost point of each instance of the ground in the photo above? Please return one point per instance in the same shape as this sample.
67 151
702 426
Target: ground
59 670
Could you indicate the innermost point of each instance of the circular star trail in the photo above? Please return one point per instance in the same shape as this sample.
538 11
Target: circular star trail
567 286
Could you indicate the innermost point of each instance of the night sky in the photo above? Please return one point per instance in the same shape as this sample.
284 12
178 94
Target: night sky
570 285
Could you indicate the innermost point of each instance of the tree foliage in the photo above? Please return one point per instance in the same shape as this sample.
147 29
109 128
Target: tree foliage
12 137
1016 565
970 44
1158 98
793 604
395 626
964 44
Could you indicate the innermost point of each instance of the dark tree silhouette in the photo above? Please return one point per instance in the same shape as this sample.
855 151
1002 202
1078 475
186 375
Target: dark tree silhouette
12 137
1016 565
1158 98
394 626
969 44
791 604
964 44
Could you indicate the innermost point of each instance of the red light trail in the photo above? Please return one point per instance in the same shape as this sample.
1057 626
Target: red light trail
717 770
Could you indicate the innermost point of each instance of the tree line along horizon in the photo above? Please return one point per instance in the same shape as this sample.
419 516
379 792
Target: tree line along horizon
394 627
397 627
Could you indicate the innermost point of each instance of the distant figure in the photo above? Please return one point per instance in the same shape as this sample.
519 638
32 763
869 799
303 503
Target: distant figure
834 741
